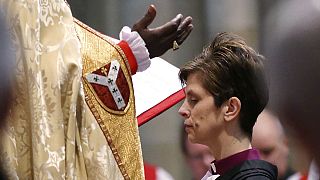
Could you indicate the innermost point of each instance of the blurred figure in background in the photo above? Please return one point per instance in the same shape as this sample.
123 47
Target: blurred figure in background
271 141
293 49
6 73
300 159
6 68
153 172
197 156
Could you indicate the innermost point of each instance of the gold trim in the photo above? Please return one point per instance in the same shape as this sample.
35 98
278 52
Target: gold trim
106 133
101 36
120 130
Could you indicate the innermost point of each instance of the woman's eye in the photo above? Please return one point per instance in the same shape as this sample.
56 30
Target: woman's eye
193 100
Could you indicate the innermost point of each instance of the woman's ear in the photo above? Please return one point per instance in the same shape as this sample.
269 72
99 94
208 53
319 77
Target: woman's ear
232 109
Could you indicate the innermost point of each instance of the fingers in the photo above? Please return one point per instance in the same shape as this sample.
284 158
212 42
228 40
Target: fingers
179 35
184 30
147 18
170 27
184 24
183 36
161 39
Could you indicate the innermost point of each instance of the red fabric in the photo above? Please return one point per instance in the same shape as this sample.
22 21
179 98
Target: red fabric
304 177
130 56
150 171
160 107
104 93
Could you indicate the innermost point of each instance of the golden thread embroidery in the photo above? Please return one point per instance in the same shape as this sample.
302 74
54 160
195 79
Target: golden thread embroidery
106 133
120 130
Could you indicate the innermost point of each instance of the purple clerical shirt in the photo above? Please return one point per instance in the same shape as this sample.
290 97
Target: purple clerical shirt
223 165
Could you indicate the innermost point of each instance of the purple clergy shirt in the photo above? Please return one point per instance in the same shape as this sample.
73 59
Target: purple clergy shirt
223 165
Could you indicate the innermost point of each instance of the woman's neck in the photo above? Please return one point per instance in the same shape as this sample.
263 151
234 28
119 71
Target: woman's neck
229 145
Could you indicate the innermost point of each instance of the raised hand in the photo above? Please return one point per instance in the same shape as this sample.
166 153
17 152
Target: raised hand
158 40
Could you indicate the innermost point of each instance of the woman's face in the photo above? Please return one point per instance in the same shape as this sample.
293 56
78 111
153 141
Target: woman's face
203 120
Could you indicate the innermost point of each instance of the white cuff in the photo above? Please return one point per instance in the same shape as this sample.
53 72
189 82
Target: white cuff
138 47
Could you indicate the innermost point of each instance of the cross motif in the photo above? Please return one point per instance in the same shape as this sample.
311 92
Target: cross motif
108 77
96 79
110 81
114 90
104 71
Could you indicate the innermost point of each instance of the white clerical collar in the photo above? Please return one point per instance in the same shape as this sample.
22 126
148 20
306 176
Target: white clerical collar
213 168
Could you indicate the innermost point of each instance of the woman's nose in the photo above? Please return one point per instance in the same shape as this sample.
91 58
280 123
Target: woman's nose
183 111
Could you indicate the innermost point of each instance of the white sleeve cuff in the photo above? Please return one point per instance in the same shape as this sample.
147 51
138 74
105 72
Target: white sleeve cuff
138 47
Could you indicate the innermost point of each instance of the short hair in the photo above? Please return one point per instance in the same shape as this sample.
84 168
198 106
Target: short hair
231 68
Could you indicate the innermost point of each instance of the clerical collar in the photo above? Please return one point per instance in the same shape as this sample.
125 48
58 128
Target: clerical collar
223 165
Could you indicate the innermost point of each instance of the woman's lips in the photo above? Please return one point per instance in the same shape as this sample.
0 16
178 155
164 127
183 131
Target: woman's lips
187 127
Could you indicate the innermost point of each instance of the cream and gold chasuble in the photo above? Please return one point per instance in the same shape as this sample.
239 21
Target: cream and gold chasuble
73 114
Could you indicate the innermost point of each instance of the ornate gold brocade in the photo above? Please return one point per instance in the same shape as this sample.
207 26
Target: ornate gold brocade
120 129
52 133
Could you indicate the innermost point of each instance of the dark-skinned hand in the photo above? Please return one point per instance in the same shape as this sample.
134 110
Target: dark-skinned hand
160 39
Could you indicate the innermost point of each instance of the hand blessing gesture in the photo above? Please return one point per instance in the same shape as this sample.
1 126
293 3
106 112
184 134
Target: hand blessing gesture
158 40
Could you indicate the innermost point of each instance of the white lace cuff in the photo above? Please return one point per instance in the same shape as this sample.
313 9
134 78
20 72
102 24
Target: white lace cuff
138 47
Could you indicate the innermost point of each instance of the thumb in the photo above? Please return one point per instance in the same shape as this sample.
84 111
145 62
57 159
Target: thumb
148 17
